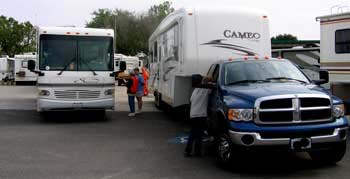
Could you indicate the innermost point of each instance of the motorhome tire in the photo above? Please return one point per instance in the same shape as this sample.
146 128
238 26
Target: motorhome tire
330 156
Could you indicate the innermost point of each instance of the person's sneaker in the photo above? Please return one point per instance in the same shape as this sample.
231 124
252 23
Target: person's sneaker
131 114
138 111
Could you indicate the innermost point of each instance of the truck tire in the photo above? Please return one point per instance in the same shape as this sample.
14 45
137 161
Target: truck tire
224 150
330 156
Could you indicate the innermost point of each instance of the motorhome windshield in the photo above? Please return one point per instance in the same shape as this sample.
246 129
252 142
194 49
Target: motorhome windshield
76 53
262 71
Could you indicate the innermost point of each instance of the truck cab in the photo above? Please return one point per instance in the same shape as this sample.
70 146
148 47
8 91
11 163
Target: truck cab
271 103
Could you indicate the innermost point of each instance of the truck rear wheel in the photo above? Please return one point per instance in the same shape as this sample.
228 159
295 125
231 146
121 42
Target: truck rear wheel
330 156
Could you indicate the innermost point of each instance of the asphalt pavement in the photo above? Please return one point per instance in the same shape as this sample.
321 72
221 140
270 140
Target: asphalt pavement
80 145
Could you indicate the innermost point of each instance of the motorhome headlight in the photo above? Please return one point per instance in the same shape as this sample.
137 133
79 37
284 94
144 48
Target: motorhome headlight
338 110
240 115
109 92
44 93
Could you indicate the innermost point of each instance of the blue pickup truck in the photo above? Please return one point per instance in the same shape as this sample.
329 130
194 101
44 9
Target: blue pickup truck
261 103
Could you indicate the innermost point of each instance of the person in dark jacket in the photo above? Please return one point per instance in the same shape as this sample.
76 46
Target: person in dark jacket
132 85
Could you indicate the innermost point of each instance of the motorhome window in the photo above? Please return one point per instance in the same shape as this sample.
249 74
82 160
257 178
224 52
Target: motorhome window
57 51
95 53
24 64
76 53
342 41
240 71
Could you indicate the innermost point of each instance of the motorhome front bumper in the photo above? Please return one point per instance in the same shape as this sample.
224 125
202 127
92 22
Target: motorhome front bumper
54 104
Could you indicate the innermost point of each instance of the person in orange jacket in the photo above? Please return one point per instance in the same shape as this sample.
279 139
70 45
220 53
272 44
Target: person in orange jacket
145 75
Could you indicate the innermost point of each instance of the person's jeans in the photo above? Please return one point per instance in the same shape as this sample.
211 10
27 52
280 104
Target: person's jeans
131 100
198 126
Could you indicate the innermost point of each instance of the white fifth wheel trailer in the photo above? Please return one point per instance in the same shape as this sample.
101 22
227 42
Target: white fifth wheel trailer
75 67
189 40
22 74
335 53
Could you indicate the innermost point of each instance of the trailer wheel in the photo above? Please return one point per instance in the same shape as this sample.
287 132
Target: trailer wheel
330 156
158 99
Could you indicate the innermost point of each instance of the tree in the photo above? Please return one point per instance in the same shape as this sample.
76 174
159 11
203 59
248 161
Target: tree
285 37
16 37
132 30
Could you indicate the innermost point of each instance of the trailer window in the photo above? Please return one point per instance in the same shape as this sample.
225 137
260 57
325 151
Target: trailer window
342 41
155 55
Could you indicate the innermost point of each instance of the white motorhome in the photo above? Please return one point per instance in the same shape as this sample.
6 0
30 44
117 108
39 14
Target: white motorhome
335 52
22 74
189 40
132 62
75 67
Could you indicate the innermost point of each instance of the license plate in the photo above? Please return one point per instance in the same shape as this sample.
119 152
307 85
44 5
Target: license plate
300 143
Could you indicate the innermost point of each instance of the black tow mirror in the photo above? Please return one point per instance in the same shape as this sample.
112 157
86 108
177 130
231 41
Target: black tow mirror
324 77
196 80
31 65
122 66
347 107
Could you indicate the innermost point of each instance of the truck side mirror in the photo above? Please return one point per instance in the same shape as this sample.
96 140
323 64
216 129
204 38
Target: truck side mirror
196 80
347 107
122 65
31 65
324 77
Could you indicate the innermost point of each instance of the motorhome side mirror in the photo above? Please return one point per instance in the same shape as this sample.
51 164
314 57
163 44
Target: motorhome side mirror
122 65
31 65
324 77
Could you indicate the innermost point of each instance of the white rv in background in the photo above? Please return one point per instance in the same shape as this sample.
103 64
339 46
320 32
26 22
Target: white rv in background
75 67
22 74
7 66
189 40
335 53
3 68
132 62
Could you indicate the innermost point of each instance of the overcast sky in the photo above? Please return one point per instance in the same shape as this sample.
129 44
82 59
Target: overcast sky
287 16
